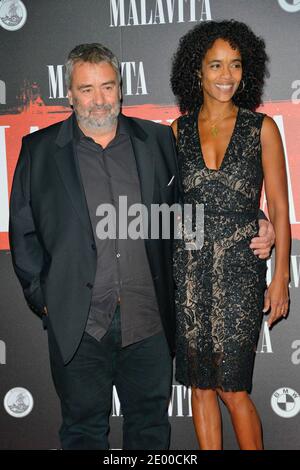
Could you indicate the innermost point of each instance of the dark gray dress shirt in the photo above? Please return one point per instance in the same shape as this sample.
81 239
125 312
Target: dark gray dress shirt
123 270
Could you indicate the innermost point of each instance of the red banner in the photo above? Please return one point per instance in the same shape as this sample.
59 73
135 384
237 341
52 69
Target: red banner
37 115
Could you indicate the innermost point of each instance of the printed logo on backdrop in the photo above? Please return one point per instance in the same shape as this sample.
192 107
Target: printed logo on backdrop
285 402
14 126
133 80
18 402
152 12
179 406
13 14
295 358
296 94
295 269
2 352
2 92
266 344
291 6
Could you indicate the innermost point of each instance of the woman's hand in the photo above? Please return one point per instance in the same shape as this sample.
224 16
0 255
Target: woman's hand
277 298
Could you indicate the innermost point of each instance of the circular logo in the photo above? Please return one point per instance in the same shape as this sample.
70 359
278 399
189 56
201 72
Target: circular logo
290 6
285 402
13 14
18 402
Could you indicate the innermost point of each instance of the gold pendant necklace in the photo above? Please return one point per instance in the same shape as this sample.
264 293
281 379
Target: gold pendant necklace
214 130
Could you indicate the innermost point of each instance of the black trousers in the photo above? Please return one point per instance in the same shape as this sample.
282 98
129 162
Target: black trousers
142 374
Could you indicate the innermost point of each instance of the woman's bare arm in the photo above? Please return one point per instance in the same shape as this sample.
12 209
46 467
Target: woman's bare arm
277 197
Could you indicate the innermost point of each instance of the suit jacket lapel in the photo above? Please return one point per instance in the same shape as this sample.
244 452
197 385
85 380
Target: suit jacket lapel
69 170
144 158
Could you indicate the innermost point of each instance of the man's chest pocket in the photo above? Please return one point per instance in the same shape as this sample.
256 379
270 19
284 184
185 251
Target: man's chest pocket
164 190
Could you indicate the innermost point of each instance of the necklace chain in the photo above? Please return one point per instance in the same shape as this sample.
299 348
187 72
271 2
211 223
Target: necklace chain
213 128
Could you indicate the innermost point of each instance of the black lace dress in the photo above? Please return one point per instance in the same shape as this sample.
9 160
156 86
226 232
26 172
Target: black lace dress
220 288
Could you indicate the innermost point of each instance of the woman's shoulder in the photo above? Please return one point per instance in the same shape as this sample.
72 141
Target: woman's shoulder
184 118
269 128
264 123
181 123
251 113
253 117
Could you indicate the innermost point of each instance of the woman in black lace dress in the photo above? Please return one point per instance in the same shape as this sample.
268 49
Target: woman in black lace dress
225 151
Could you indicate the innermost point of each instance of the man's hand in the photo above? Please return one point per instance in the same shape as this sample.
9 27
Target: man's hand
262 244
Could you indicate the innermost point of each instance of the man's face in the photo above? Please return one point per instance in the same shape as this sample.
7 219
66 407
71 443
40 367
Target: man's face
95 95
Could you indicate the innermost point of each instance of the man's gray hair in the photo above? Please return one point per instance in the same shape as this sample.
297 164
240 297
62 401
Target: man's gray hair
93 53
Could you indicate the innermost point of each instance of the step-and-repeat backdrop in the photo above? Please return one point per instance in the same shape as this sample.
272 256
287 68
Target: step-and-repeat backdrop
35 38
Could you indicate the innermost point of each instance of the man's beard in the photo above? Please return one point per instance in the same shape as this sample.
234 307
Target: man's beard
93 122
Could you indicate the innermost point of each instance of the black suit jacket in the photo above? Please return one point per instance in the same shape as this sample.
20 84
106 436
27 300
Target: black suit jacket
51 238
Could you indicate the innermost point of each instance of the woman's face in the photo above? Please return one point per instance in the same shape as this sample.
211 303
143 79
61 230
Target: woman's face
221 71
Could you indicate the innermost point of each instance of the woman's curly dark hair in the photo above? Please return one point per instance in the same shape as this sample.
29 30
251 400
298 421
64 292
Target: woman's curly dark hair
187 62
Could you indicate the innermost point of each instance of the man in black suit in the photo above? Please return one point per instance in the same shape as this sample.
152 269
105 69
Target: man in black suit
107 302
